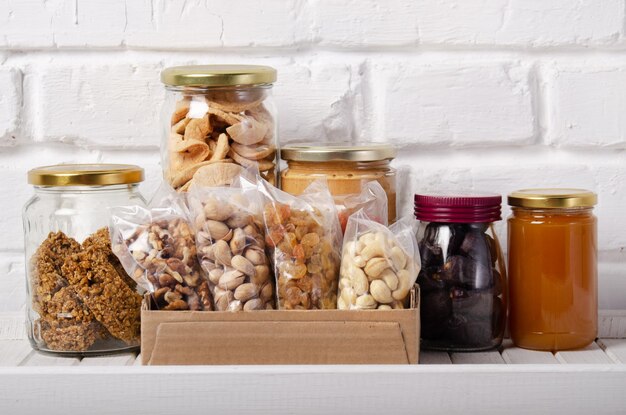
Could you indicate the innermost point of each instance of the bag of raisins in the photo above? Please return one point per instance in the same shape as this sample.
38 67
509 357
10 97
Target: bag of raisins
230 237
156 247
304 239
379 264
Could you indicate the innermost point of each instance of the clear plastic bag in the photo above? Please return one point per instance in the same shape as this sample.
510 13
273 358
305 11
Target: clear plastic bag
156 247
304 238
372 200
379 264
230 238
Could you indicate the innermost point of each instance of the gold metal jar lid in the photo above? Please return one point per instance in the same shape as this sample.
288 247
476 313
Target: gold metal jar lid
553 198
362 152
218 75
85 175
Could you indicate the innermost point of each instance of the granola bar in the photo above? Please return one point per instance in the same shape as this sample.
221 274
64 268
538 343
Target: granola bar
46 263
68 324
114 304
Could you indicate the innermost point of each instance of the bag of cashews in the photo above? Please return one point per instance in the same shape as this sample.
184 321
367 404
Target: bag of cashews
372 199
230 237
379 264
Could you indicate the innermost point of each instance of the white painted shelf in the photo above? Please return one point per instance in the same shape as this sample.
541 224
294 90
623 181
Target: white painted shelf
506 381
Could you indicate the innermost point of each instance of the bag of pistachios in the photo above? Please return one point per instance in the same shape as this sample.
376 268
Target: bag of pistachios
230 238
156 247
379 264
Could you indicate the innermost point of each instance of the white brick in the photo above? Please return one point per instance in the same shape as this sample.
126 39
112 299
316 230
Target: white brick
317 100
214 23
587 106
10 104
70 23
28 23
520 22
107 105
100 23
13 289
369 22
462 104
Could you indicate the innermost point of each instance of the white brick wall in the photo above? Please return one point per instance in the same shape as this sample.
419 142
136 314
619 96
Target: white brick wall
478 94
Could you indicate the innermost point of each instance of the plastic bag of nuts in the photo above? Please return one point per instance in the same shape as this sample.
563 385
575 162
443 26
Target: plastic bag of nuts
379 265
156 247
304 238
231 245
372 199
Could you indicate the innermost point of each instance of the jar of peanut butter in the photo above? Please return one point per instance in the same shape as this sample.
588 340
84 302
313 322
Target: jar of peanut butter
345 167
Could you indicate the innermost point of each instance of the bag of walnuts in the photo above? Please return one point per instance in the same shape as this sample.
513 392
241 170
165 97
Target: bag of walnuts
230 238
157 248
304 238
379 264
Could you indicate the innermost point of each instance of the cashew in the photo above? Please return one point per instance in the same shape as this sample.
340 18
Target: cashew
390 278
366 301
376 266
398 258
359 280
380 291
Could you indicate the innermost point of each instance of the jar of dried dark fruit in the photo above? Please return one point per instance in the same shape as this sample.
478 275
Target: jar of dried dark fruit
463 276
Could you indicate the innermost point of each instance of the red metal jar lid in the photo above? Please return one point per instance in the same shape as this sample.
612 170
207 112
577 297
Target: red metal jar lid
458 208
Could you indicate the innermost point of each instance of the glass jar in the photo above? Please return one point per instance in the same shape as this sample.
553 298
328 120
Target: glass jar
344 167
463 277
553 268
81 300
217 120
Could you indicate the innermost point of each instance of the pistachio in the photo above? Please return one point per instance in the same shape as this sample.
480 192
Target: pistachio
256 256
231 280
253 304
246 291
238 241
222 253
216 230
215 210
240 263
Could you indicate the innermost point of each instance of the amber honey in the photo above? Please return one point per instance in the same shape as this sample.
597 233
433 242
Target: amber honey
553 273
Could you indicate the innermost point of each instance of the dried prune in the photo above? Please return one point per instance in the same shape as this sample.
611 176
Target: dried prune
431 255
467 272
435 309
428 280
472 304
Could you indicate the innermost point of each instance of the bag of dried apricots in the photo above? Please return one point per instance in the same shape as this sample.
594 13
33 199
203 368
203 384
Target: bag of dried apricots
379 264
304 238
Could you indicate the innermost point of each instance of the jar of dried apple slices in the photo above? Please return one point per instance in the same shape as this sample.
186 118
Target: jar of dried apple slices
218 120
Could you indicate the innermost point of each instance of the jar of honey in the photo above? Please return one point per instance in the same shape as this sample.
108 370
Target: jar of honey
552 259
345 167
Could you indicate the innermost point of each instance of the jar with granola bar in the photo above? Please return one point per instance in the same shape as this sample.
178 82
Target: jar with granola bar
81 300
220 115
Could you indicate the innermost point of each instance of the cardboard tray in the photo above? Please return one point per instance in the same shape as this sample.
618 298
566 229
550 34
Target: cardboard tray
280 337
